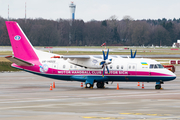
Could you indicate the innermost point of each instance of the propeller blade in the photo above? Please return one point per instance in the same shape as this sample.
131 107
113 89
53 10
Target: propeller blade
107 69
103 71
131 54
135 54
101 63
104 57
107 54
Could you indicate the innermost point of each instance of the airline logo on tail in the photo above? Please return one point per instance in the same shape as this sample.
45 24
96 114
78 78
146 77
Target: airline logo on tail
17 37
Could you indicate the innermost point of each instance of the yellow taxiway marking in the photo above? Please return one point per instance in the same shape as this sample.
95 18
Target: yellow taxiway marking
144 114
95 117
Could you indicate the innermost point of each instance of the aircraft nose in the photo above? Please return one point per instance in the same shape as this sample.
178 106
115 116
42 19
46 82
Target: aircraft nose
173 76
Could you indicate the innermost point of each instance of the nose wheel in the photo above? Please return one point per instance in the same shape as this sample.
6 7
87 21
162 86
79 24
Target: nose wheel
158 86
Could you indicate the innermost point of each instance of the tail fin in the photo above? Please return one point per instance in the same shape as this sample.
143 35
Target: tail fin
21 46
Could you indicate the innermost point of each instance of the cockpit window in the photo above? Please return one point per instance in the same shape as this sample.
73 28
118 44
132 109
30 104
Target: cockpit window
155 66
160 66
151 66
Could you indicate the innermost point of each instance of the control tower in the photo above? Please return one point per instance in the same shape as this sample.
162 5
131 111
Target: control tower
72 7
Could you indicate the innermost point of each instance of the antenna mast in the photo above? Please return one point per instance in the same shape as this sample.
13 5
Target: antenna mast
8 12
25 12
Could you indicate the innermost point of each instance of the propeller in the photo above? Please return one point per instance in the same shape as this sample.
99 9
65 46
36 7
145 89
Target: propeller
105 62
133 56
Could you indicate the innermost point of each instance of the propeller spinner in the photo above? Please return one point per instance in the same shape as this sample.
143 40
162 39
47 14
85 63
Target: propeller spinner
105 62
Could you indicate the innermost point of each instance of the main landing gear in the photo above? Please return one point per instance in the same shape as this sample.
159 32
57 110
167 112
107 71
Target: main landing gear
100 84
158 85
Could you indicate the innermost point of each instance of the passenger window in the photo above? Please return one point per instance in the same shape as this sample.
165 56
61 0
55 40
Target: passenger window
129 67
121 67
151 66
117 66
64 66
70 66
111 67
133 67
75 66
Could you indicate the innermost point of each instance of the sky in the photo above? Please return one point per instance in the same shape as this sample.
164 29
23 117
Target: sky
91 9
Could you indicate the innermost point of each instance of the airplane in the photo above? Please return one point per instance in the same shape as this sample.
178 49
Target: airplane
88 69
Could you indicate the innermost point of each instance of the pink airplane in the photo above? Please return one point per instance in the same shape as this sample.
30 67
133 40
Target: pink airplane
86 69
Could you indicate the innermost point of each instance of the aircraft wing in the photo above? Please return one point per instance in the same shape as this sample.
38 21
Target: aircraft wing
86 61
76 57
18 61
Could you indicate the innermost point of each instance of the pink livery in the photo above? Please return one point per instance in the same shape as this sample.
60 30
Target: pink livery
88 69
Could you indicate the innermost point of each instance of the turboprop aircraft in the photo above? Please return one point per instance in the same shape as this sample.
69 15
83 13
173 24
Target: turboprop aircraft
86 69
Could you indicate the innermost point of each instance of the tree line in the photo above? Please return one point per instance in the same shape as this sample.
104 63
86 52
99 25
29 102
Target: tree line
62 32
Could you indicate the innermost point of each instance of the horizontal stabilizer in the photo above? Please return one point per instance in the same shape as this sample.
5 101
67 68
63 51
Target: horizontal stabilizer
18 61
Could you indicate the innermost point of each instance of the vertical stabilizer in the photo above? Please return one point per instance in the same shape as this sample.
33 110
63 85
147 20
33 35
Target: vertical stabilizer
21 46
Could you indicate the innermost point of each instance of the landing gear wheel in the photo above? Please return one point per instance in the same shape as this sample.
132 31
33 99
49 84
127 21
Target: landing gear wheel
100 84
158 87
88 85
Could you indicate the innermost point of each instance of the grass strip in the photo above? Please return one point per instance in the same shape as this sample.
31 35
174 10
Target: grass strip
6 66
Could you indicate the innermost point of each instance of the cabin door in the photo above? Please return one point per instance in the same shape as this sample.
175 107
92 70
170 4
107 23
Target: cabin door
132 69
55 67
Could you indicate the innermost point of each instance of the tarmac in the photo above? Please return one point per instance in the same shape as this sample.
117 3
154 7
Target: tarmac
24 96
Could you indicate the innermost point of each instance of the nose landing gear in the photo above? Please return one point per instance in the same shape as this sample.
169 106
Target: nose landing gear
158 85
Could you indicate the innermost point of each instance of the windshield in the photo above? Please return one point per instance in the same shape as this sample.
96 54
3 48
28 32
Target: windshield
156 66
160 66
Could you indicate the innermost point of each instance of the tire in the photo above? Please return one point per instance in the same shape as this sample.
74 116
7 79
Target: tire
88 85
158 87
100 84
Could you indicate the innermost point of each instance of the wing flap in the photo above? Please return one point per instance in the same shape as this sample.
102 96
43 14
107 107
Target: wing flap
18 61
